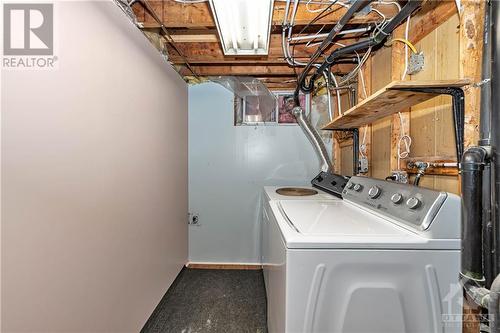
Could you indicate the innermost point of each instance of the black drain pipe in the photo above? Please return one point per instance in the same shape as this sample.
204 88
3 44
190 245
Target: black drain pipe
481 185
495 124
489 228
472 167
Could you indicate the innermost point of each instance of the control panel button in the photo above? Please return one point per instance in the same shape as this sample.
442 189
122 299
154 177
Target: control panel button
358 187
374 192
319 178
413 203
349 186
397 198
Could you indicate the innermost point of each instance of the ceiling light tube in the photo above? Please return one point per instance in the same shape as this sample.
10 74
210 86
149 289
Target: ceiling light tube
244 26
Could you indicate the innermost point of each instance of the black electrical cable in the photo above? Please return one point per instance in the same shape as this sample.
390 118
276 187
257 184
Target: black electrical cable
316 18
376 40
355 7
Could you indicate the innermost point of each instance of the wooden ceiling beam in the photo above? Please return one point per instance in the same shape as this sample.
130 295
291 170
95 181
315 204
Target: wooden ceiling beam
176 15
252 69
211 52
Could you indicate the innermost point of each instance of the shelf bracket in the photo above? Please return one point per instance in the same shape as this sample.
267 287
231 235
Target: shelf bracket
355 148
458 104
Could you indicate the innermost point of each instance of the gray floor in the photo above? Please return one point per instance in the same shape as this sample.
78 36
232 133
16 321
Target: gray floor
204 300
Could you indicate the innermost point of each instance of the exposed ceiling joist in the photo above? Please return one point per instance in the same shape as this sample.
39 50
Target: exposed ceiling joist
211 52
176 15
252 69
195 42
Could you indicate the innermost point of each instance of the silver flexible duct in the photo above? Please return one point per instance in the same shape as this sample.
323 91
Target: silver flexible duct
314 138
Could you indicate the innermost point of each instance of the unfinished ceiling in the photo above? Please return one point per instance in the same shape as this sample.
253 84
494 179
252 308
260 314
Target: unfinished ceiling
193 45
188 35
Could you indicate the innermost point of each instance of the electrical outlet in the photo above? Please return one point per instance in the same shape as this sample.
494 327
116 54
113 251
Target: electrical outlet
194 220
400 176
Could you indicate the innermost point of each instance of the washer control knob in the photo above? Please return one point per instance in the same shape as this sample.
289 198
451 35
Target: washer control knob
413 203
374 192
349 186
397 198
358 187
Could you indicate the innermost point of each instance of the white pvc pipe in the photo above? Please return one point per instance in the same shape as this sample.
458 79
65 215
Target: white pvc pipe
345 32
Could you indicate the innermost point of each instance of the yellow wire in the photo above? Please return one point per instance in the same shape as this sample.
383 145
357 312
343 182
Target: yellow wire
402 40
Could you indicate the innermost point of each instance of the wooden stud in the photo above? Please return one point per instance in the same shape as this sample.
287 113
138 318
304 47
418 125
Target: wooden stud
471 39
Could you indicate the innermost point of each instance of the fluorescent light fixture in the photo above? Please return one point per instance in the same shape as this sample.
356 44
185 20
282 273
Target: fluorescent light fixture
244 25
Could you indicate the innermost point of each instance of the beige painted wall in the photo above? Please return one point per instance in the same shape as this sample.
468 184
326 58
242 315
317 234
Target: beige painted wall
94 180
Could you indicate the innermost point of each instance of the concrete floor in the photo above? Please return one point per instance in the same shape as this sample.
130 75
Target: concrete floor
204 300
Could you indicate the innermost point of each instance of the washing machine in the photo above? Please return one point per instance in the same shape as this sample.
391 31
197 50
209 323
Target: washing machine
386 258
325 187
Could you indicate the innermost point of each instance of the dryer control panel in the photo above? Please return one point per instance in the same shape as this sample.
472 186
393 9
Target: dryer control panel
413 206
330 183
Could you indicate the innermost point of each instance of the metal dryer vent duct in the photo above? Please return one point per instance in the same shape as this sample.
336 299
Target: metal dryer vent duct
315 139
243 87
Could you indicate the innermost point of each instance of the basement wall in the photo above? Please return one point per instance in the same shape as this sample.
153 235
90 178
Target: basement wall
228 166
94 179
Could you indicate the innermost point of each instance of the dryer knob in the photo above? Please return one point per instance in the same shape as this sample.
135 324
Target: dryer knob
358 187
413 203
397 198
349 186
374 192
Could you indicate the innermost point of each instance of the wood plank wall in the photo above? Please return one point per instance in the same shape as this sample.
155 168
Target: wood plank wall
431 122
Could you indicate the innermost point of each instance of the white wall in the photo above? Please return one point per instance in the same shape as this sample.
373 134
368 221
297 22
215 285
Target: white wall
94 179
228 166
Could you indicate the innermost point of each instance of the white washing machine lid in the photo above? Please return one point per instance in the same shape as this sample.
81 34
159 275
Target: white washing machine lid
272 195
339 224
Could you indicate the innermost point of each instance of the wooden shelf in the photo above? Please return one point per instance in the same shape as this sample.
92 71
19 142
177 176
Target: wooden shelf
387 101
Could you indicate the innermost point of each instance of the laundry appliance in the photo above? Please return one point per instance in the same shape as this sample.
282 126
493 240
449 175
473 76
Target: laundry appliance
385 259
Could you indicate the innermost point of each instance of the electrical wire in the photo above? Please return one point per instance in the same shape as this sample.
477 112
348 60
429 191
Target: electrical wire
362 79
404 138
403 40
407 32
290 55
